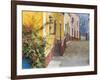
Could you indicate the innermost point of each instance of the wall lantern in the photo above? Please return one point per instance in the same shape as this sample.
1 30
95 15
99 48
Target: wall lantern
52 25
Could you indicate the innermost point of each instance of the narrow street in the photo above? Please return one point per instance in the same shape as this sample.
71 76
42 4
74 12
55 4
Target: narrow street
76 54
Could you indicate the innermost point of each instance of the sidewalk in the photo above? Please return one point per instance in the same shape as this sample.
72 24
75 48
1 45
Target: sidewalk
76 54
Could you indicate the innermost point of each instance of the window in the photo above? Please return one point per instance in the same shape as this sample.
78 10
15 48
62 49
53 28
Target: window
72 31
72 20
77 23
77 33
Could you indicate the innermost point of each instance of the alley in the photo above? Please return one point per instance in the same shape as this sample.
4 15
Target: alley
76 54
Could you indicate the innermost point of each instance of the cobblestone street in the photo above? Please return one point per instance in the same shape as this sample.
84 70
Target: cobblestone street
76 54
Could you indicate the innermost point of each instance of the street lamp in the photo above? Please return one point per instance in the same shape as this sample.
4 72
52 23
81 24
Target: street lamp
51 19
51 29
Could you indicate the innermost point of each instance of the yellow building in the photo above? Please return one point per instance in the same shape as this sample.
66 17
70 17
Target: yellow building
67 25
53 29
54 33
49 26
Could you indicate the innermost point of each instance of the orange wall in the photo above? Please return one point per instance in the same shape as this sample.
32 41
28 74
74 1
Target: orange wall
35 19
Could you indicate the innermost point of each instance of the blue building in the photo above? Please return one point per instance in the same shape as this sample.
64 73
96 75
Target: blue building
84 26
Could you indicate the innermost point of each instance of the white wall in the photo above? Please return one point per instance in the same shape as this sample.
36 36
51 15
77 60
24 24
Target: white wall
5 32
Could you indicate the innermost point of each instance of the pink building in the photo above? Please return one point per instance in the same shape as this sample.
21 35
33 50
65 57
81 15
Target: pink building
74 26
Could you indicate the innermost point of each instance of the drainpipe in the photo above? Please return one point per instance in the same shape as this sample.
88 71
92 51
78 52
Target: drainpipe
60 40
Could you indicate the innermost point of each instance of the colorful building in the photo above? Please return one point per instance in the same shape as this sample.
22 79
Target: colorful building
74 26
53 29
84 26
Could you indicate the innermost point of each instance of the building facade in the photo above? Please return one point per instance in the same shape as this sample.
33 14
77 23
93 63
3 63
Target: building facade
55 28
74 26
